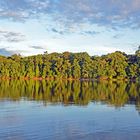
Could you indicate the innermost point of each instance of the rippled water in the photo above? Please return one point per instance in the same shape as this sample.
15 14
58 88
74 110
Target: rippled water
47 110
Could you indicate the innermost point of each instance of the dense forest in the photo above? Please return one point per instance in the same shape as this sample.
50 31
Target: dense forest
67 65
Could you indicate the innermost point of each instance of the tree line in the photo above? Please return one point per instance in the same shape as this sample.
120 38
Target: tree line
67 65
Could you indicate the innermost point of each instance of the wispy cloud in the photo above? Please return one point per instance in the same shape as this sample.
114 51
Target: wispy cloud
37 47
92 33
74 29
117 36
60 32
10 36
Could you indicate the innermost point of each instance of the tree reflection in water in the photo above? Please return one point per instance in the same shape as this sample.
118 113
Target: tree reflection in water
72 92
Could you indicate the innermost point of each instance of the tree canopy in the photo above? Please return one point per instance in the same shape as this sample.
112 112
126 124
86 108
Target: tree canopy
117 65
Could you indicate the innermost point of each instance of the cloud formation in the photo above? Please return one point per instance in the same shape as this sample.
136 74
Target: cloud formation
22 9
37 47
90 33
69 25
109 13
10 36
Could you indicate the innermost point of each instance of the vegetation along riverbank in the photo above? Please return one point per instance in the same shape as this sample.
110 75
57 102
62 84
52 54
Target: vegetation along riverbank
72 66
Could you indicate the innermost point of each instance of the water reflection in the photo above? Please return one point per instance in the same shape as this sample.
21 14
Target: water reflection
72 92
22 115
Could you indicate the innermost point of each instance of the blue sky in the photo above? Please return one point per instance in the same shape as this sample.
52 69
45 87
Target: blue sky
96 26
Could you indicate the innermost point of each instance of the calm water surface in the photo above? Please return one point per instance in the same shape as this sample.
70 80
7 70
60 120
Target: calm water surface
64 110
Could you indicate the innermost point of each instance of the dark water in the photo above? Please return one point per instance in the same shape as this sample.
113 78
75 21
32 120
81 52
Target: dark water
64 110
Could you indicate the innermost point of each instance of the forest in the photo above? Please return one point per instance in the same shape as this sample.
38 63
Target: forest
67 65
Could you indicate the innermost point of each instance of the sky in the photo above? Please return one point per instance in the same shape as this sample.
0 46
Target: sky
30 27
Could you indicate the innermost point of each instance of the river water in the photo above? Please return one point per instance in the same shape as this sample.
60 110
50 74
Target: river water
69 110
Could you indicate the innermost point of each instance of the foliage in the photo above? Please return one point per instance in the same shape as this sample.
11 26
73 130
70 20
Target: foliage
66 65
